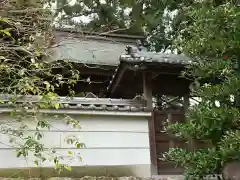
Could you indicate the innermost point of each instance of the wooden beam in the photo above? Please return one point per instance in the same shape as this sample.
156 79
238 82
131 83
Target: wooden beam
94 72
147 89
162 85
117 79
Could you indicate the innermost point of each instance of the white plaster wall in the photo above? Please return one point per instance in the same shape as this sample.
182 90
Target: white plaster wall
109 140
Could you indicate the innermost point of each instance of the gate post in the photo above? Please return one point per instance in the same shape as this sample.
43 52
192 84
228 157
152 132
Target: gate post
147 92
147 89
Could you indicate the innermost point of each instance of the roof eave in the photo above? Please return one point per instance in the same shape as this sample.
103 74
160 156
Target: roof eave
134 60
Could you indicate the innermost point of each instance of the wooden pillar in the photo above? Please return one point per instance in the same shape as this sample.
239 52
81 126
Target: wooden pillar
171 143
147 89
147 92
186 104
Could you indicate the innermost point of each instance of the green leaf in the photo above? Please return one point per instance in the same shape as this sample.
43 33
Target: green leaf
43 159
36 162
52 88
6 32
2 19
80 145
80 158
70 153
56 105
19 153
38 135
69 168
47 85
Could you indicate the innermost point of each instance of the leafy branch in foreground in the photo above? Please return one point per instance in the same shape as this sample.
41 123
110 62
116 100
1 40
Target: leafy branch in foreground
213 41
25 71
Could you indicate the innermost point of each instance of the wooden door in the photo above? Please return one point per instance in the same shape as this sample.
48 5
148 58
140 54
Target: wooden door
164 141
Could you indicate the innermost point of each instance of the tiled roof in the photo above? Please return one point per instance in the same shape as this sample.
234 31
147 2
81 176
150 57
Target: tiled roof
136 57
152 57
77 103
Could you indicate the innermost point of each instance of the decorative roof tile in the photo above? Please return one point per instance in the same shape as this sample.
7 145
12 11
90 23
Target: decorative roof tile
96 104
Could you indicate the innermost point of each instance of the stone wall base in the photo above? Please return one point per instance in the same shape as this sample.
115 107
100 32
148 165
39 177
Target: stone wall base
78 172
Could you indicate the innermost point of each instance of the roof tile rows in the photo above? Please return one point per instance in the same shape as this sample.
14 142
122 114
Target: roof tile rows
77 103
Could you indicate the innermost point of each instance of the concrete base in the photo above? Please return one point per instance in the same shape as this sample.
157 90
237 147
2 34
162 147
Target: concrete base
168 177
78 172
176 177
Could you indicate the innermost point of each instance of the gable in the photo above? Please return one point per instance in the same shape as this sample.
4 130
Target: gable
90 49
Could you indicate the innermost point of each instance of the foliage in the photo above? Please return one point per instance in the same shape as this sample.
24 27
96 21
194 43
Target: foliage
151 18
211 37
25 71
110 15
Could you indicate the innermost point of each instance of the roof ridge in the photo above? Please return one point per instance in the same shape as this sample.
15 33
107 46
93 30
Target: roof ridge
109 34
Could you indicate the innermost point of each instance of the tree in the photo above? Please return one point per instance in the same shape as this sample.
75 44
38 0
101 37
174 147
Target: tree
154 18
103 16
25 37
211 37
